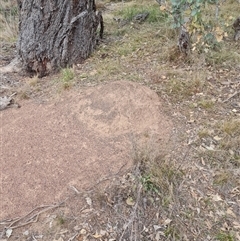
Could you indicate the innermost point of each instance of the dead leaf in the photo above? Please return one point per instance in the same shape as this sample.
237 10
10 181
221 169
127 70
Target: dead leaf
26 233
9 233
87 210
162 8
216 198
130 201
103 232
63 231
225 227
97 235
217 138
157 237
236 225
83 231
89 201
230 212
167 221
198 210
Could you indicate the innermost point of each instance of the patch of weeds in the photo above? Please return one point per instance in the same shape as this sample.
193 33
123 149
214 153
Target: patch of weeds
231 127
155 15
221 178
8 21
173 53
224 57
214 158
203 133
230 144
172 232
208 203
158 175
235 161
206 104
107 68
119 32
225 236
166 201
167 177
60 220
126 49
148 183
183 88
24 92
67 76
33 81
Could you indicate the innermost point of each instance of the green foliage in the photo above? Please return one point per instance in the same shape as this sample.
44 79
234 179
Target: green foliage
60 220
172 232
148 183
202 19
223 236
224 57
67 76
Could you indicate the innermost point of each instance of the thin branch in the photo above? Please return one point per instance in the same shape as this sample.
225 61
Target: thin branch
33 218
231 96
133 214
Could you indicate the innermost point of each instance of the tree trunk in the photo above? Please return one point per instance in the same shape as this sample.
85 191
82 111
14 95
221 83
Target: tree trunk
56 34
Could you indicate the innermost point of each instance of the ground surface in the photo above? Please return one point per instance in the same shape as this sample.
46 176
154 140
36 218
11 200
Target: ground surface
158 183
74 141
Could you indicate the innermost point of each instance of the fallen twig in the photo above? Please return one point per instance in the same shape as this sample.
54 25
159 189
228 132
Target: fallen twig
73 237
33 218
74 189
231 96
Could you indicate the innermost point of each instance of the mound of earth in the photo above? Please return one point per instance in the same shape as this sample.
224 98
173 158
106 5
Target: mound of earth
75 141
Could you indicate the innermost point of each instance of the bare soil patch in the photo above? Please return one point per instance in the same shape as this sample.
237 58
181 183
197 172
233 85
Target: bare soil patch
74 141
190 191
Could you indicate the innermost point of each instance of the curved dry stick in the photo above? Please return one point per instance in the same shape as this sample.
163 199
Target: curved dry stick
33 218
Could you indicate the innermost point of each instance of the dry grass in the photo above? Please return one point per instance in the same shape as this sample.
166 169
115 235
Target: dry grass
191 192
8 21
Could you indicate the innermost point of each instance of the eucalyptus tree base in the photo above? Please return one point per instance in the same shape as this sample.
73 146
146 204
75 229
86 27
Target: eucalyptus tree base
56 34
236 27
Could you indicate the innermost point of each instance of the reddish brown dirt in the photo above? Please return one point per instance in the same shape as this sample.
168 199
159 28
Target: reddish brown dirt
74 141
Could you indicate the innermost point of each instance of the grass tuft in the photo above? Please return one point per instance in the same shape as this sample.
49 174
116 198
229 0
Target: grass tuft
231 127
158 174
8 21
223 58
67 77
154 16
225 236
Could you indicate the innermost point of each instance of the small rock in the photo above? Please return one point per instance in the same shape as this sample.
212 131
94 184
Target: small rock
83 231
26 233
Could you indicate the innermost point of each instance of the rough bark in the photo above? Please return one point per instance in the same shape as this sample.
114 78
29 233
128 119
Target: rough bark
56 34
184 41
236 27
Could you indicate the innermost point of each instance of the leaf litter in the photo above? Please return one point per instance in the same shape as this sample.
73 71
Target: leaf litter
206 201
